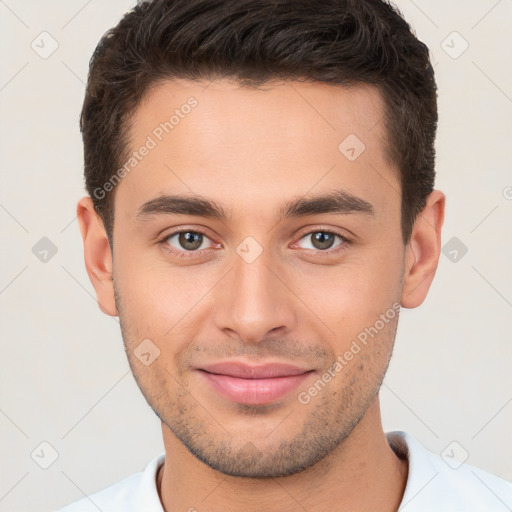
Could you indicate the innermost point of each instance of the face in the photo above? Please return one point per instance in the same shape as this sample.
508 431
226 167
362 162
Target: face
258 321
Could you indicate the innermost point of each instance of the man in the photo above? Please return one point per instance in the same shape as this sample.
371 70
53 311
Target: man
261 205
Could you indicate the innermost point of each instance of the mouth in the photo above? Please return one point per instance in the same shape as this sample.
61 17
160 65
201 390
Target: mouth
257 385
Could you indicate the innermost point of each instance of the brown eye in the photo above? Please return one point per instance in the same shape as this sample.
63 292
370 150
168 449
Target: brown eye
190 240
322 240
183 241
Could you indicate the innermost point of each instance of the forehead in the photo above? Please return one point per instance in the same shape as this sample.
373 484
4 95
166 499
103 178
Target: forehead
243 144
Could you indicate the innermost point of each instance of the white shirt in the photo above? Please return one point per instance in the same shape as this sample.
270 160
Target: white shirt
433 485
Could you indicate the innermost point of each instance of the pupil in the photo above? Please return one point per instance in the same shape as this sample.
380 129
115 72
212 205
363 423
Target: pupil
322 240
190 240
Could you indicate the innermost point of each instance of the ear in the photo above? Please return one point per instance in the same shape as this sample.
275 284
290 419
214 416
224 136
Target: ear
422 251
97 254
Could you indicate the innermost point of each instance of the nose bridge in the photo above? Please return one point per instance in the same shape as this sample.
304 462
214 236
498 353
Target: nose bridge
252 301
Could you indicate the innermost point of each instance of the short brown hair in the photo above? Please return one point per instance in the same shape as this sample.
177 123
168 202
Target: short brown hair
340 42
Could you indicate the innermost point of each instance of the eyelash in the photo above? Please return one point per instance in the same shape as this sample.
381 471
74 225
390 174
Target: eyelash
327 252
183 253
186 254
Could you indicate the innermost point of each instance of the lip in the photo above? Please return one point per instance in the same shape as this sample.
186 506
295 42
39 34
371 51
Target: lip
248 384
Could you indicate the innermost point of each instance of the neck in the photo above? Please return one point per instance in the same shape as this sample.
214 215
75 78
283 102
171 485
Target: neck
362 473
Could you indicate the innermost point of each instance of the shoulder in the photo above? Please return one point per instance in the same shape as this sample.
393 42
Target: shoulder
133 493
436 483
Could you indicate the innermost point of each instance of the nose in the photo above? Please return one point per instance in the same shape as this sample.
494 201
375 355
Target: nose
253 303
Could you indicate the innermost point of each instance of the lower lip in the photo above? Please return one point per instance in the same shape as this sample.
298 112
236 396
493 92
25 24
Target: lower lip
254 391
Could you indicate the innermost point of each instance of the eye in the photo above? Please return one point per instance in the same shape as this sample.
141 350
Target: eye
321 240
187 241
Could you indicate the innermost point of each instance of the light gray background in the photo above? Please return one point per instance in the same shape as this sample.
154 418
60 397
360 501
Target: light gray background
65 379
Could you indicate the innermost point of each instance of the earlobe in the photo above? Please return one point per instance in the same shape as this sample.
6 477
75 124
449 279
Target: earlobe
97 255
422 251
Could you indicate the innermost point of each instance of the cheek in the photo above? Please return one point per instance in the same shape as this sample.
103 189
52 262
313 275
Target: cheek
352 295
158 299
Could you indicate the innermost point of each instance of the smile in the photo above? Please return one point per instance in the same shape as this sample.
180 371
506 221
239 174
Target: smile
256 385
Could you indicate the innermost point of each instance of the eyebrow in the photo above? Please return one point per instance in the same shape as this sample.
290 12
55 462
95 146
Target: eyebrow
338 201
180 205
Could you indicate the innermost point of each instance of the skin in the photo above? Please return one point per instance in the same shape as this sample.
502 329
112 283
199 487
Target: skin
252 152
